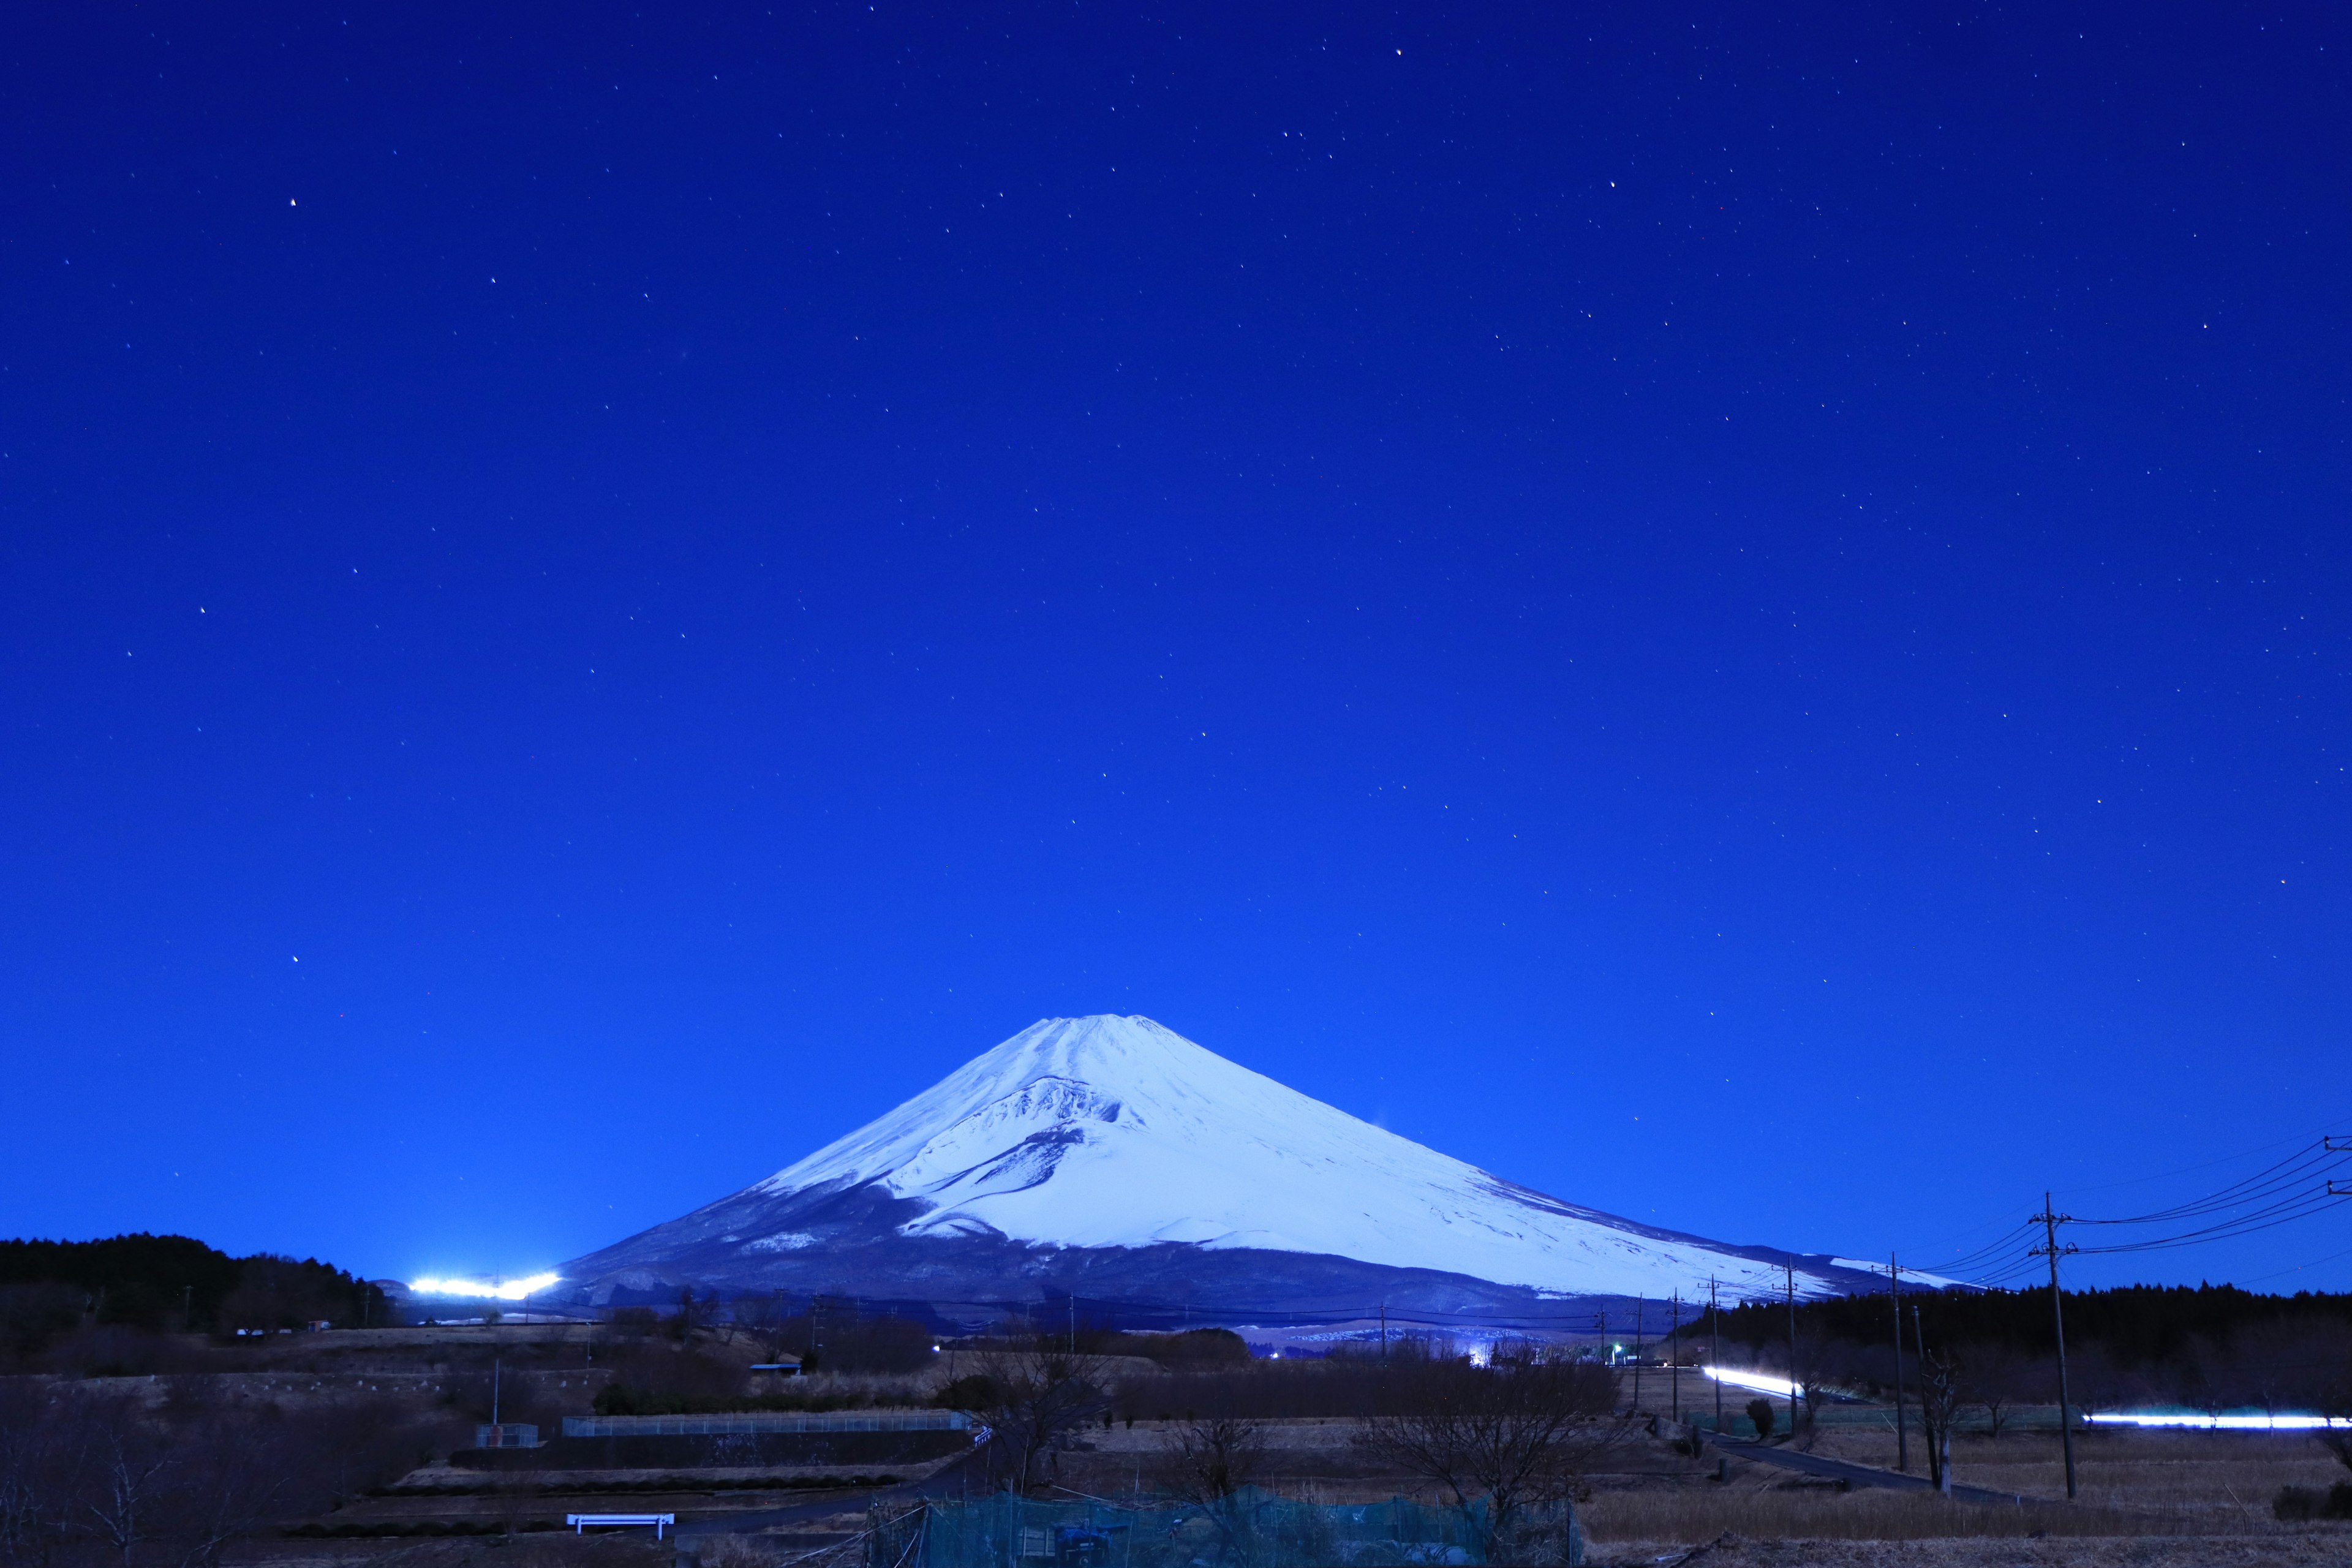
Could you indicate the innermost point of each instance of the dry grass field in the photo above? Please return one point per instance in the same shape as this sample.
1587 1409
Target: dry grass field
489 1552
2151 1500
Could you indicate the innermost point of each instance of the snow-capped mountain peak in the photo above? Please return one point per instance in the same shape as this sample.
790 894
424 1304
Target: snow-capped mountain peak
1117 1132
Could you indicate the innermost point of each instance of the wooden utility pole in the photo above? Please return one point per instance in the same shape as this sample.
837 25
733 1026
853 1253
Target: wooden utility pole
1639 1303
2051 1219
1927 1438
1895 1293
1791 1271
1675 1361
1715 1351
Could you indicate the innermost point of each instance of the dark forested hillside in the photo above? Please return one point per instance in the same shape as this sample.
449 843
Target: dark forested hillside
161 1283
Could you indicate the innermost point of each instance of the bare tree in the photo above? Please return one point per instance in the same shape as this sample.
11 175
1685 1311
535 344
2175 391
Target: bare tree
1995 1373
228 1479
39 1475
1942 1390
347 1446
128 1473
1207 1461
2331 1394
1036 1402
1208 1458
770 1321
1819 1363
1506 1437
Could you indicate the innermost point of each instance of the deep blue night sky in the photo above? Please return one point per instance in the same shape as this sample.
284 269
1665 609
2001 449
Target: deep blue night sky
1740 619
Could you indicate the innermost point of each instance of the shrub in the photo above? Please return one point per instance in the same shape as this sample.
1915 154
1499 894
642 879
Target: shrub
2295 1503
975 1391
2298 1503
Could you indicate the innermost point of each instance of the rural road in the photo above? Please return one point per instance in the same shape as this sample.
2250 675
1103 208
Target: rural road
1847 1471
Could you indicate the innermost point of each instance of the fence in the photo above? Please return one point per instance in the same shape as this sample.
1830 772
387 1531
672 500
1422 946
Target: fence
1252 1529
721 1425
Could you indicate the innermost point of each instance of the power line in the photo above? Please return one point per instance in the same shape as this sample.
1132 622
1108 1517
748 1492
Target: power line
2282 1193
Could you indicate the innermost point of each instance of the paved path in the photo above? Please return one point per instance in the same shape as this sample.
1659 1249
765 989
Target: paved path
949 1481
1848 1471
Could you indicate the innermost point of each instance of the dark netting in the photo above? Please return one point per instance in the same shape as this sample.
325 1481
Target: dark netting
1252 1529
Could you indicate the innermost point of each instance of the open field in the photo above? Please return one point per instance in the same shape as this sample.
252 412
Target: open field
2149 1499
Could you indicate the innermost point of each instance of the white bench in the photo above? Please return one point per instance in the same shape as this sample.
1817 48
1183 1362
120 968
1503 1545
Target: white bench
580 1521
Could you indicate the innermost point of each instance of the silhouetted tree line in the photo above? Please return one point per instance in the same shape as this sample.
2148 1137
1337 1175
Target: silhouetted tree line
2207 1347
2134 1324
1186 1348
107 1294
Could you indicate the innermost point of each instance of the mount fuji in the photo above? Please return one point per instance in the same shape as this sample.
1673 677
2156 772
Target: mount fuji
1112 1160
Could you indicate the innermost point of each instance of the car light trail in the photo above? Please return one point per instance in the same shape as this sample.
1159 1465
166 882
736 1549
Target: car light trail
2227 1423
482 1290
1760 1383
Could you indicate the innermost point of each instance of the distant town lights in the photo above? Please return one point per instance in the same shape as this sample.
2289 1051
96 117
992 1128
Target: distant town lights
483 1291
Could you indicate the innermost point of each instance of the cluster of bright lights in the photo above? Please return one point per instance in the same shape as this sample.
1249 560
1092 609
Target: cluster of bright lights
1759 1381
484 1291
2228 1422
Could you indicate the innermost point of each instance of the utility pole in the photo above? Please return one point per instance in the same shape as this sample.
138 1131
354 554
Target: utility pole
1715 1351
1384 1330
1639 1303
1675 1361
1927 1438
2050 1220
1073 1322
1895 1293
1791 1271
493 1391
1601 1327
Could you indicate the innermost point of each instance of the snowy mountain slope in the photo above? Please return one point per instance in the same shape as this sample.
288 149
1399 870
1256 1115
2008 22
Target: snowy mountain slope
1118 1140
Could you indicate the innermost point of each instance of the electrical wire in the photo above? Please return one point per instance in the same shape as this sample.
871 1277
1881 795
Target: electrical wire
1971 1262
2281 1193
2299 1267
2297 1169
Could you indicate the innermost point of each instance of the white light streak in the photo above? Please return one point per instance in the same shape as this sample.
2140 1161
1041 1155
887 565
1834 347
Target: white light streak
481 1291
2227 1423
1761 1383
